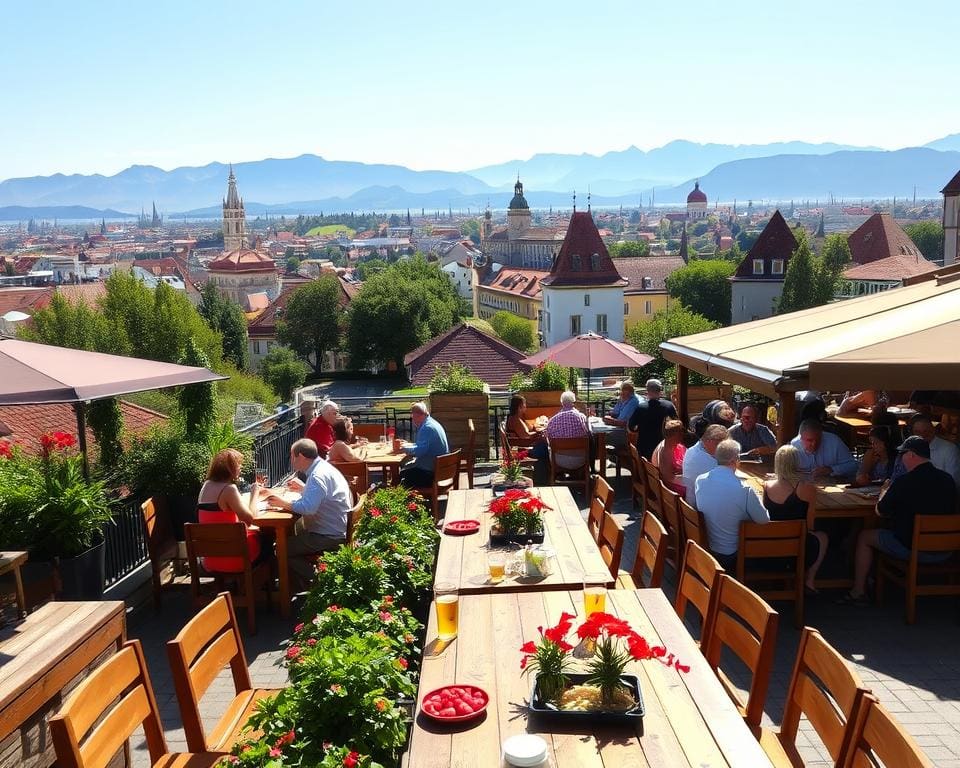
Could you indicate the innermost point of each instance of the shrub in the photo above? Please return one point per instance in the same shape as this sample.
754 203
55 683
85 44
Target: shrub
545 377
350 578
454 378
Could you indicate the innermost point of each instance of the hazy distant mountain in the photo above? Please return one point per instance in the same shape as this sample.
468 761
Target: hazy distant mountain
271 181
949 143
61 212
664 165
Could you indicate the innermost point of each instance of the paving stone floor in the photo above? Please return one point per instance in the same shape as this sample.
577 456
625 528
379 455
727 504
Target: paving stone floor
913 670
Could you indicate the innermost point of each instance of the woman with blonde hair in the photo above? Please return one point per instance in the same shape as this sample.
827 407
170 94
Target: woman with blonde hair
787 496
668 456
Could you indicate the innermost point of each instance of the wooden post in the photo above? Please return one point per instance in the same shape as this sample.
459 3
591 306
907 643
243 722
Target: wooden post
682 380
82 436
785 429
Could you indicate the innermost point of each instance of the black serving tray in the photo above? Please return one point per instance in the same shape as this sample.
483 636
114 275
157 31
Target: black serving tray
546 712
498 540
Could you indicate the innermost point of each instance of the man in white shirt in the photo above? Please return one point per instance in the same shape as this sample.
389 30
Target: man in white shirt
725 503
699 459
944 455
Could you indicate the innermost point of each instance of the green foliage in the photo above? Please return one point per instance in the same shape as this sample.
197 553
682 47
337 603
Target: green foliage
514 330
836 253
313 320
164 461
545 377
397 625
283 371
348 578
369 267
810 280
629 248
224 435
197 402
746 239
454 378
293 264
646 336
704 287
226 318
928 237
106 422
471 229
243 387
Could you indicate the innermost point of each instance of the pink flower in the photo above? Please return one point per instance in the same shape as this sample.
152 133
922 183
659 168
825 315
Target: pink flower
274 752
298 628
322 567
336 688
293 651
333 608
374 512
386 616
312 642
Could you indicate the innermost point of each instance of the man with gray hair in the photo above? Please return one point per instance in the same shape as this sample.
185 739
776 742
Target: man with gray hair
700 459
726 502
822 454
321 428
568 422
620 415
431 442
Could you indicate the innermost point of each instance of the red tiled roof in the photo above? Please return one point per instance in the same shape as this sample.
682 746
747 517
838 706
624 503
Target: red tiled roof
953 186
242 260
895 267
165 266
520 282
500 234
264 325
87 293
487 357
657 268
21 298
27 423
584 241
775 242
878 238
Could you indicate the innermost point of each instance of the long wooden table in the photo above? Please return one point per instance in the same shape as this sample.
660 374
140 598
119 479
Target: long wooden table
689 720
382 456
463 559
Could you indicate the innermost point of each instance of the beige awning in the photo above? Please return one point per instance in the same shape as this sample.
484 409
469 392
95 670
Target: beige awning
907 335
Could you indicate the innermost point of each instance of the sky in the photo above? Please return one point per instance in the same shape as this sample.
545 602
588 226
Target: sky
97 87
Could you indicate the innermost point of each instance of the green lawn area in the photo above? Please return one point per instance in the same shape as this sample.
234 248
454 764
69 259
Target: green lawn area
331 229
410 391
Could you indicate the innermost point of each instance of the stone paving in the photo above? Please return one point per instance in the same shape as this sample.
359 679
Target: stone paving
913 670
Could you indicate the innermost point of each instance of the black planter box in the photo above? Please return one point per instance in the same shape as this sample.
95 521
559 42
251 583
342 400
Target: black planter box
502 540
545 712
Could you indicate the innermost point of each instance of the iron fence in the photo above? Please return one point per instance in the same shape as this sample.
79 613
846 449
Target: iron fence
125 541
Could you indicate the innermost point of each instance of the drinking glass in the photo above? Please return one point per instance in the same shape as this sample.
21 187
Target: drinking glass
447 603
595 592
497 566
262 477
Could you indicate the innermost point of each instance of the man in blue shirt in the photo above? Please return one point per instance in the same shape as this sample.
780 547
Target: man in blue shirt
620 414
822 454
755 439
431 442
700 459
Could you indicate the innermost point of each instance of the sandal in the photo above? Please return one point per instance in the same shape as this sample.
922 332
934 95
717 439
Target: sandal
850 599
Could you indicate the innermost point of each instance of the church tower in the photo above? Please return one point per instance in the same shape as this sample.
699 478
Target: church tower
234 219
518 215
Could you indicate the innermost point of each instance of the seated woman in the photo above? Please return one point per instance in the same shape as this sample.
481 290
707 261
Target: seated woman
877 463
220 502
342 449
518 430
668 456
787 497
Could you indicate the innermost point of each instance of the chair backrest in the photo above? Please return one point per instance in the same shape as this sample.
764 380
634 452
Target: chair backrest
694 527
697 586
637 474
118 697
745 624
372 432
670 517
875 738
357 476
601 500
470 450
446 471
610 542
651 552
505 442
156 522
651 477
936 533
823 687
353 515
778 538
214 540
570 446
206 644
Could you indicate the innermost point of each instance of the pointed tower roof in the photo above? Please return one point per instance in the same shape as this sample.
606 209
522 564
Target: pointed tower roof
583 258
953 186
775 242
878 238
233 198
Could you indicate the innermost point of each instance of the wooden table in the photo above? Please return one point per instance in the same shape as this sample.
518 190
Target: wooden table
382 456
689 720
11 561
41 660
463 559
281 523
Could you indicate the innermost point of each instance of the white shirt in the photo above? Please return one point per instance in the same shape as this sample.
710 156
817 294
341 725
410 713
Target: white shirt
946 456
725 503
696 461
325 500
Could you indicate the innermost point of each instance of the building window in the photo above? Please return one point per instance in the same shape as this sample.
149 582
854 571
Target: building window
256 347
777 267
548 322
575 262
586 299
626 308
574 325
595 262
758 266
602 325
648 307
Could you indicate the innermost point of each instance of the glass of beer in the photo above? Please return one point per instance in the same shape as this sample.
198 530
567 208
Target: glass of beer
447 602
595 592
497 565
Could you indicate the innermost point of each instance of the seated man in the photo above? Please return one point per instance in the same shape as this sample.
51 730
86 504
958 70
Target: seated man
944 455
568 422
321 428
924 489
323 507
620 415
725 503
431 442
822 454
755 439
700 459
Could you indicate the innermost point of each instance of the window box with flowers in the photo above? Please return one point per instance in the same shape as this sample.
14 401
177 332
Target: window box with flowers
542 386
518 518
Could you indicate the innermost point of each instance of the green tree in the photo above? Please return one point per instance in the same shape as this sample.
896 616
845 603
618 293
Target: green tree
928 237
811 281
471 229
313 320
514 330
648 335
630 248
704 287
283 371
106 423
370 267
293 264
197 402
226 318
836 253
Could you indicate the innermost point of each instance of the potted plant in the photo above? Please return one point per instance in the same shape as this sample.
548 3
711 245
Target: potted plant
510 473
518 518
456 396
542 385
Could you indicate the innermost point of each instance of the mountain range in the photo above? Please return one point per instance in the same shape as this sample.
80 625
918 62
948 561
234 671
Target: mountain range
309 183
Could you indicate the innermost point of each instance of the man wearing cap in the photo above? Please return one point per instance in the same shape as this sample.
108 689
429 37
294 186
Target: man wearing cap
924 489
620 415
649 416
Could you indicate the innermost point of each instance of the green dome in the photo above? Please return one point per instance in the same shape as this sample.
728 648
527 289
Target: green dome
519 202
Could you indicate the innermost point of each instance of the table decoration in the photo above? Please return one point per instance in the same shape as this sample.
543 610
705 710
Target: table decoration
519 518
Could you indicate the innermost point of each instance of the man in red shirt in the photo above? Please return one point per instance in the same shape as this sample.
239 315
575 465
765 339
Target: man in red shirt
321 428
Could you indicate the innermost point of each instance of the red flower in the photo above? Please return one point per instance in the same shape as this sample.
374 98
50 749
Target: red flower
381 705
333 608
386 616
528 647
298 628
275 752
287 738
559 632
6 450
351 760
403 663
412 506
639 647
322 567
375 512
312 641
293 651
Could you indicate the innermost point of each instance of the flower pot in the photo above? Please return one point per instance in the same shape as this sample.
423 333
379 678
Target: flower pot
499 483
82 577
39 582
500 538
183 509
585 718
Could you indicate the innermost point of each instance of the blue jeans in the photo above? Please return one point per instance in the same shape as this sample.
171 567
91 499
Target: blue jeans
890 545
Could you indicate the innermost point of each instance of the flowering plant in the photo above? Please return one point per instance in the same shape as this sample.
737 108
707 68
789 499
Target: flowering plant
511 467
548 658
518 511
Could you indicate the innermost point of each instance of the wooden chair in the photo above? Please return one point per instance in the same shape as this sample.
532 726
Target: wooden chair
446 478
468 460
162 545
697 587
876 738
601 500
610 543
931 533
225 540
638 488
372 432
622 456
105 710
651 482
357 474
670 517
507 453
694 527
651 556
353 515
208 643
575 476
823 687
783 541
746 625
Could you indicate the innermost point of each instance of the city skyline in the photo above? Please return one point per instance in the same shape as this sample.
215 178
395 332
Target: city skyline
431 88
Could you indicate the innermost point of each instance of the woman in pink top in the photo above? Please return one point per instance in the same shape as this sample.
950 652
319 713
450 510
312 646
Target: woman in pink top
668 456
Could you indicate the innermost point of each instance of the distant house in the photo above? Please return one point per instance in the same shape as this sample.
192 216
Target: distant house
758 282
510 289
646 292
883 257
490 359
951 221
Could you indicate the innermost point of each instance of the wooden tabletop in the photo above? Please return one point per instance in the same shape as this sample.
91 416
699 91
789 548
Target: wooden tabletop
689 720
382 455
463 559
833 499
12 559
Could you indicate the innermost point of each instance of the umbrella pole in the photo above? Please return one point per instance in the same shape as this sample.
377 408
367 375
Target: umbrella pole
82 437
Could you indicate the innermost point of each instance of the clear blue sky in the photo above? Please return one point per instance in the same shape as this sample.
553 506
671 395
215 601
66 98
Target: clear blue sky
95 87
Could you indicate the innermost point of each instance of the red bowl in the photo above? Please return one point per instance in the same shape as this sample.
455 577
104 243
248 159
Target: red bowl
461 527
471 691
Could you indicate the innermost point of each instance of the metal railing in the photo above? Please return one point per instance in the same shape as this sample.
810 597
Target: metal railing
125 541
